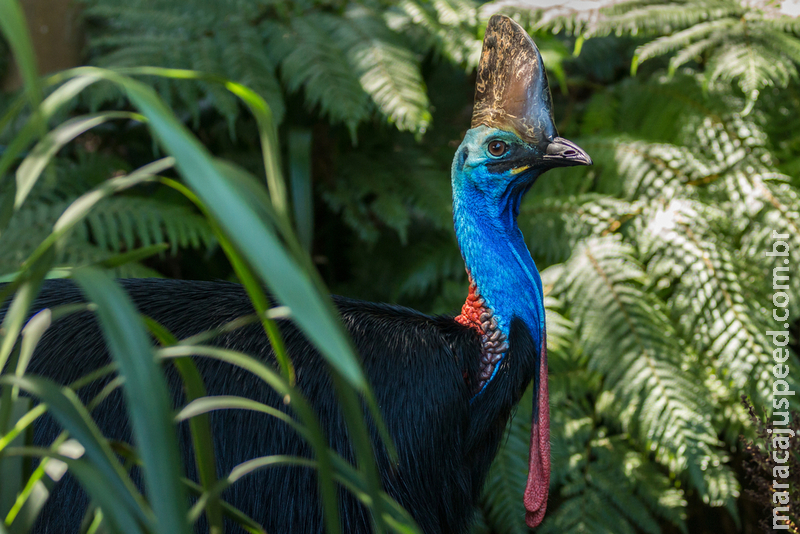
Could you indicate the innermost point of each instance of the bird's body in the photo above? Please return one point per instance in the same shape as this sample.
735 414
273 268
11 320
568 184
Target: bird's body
445 386
441 468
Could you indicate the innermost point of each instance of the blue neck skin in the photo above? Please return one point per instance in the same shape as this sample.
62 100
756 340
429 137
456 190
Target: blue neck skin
485 210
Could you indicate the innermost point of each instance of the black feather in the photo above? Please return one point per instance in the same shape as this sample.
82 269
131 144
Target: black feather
422 370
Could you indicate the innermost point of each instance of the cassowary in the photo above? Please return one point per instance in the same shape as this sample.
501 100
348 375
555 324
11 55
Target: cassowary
446 386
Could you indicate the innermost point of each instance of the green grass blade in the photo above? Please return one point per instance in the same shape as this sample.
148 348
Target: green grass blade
32 128
67 409
202 440
21 424
92 478
311 310
231 512
11 468
248 280
351 407
245 273
36 485
200 426
15 29
32 166
81 207
299 404
37 489
12 111
132 256
263 115
15 317
18 311
148 402
300 178
25 518
395 515
269 146
204 405
238 217
241 470
31 335
359 437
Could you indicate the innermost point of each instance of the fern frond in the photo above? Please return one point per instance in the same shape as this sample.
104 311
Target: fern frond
125 16
632 344
505 484
753 64
658 492
659 170
661 17
588 467
311 60
393 189
741 42
788 44
615 484
387 70
692 52
215 37
77 251
433 263
119 223
778 216
557 224
702 32
707 282
243 58
783 23
115 224
559 328
588 511
682 100
208 59
447 26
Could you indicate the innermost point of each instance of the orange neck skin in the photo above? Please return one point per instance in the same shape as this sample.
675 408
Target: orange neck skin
473 308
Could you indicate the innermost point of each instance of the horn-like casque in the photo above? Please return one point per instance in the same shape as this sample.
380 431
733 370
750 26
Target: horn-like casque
512 92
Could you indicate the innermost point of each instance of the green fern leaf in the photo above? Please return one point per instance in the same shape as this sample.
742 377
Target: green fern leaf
632 343
115 224
387 70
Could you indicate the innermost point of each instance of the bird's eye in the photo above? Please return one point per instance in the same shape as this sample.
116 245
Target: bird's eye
497 148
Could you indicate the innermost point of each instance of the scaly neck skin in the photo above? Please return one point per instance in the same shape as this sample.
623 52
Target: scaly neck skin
497 258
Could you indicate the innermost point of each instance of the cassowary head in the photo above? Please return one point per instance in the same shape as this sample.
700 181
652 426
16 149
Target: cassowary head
513 138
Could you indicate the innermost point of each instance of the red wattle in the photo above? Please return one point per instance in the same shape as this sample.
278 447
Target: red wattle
538 485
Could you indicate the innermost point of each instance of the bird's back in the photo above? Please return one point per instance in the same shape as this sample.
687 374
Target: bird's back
416 364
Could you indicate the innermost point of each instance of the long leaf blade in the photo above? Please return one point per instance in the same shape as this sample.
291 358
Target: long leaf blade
148 401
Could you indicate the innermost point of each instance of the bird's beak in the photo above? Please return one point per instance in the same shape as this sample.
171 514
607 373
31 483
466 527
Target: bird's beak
563 153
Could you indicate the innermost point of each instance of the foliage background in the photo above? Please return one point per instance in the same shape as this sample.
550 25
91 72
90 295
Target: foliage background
658 289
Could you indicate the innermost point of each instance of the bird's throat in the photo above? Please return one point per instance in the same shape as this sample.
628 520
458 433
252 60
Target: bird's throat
503 281
476 314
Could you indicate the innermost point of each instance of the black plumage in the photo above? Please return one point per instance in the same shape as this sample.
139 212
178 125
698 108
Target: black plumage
445 443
